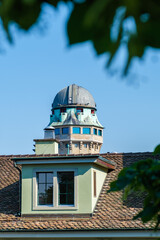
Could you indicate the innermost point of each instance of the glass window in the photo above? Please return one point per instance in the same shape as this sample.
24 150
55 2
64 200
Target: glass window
85 145
86 131
100 132
45 188
79 110
76 145
57 131
65 130
65 188
92 111
66 145
95 131
44 191
76 130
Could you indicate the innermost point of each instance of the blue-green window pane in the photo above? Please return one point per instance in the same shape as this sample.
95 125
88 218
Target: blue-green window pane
95 131
100 132
76 130
65 130
86 131
57 131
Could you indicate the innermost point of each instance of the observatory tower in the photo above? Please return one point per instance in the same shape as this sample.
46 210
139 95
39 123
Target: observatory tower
75 121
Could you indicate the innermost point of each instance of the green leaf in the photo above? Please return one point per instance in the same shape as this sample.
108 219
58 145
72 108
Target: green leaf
157 150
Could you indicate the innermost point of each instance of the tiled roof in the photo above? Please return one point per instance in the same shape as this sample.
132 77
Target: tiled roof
110 212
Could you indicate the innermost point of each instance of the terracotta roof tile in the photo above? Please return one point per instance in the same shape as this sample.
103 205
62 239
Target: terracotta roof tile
110 212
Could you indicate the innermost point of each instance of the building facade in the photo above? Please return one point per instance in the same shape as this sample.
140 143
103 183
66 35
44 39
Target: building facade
60 192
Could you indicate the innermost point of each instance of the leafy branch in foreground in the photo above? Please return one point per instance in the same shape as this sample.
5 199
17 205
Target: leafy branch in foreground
108 24
142 177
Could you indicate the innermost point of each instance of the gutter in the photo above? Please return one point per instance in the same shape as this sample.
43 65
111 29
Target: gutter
119 234
20 186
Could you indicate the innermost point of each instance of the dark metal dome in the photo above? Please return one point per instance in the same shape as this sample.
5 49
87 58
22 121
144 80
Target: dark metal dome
73 95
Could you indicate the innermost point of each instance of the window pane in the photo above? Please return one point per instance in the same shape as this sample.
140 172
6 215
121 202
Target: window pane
41 194
86 131
100 132
70 199
45 188
95 131
66 188
49 177
66 145
92 111
85 145
62 188
41 177
76 130
62 199
57 131
65 130
76 145
79 110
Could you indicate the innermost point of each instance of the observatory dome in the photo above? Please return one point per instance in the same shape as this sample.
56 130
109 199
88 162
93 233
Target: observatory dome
73 95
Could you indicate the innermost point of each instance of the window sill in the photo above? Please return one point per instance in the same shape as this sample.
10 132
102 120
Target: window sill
51 208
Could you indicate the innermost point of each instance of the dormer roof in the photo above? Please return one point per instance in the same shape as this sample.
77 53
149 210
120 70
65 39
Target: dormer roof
110 212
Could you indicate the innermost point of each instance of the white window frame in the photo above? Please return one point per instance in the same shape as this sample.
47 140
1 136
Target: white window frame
55 205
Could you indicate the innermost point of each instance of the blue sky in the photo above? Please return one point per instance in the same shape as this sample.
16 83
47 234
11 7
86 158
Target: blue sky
40 63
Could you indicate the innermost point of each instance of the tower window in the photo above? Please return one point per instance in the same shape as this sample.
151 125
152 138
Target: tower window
57 131
95 131
100 132
65 130
66 145
85 145
79 110
63 110
86 131
76 145
76 130
92 111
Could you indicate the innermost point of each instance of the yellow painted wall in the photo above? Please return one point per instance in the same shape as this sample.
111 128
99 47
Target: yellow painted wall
47 147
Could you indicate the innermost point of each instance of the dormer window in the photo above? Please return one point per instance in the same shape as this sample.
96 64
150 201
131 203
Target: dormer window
65 188
45 188
54 189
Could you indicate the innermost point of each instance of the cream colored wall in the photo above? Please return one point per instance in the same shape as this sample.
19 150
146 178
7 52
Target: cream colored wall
101 174
83 183
84 138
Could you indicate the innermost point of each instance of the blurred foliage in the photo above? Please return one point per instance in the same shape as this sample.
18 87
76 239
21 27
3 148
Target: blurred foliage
107 23
142 177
